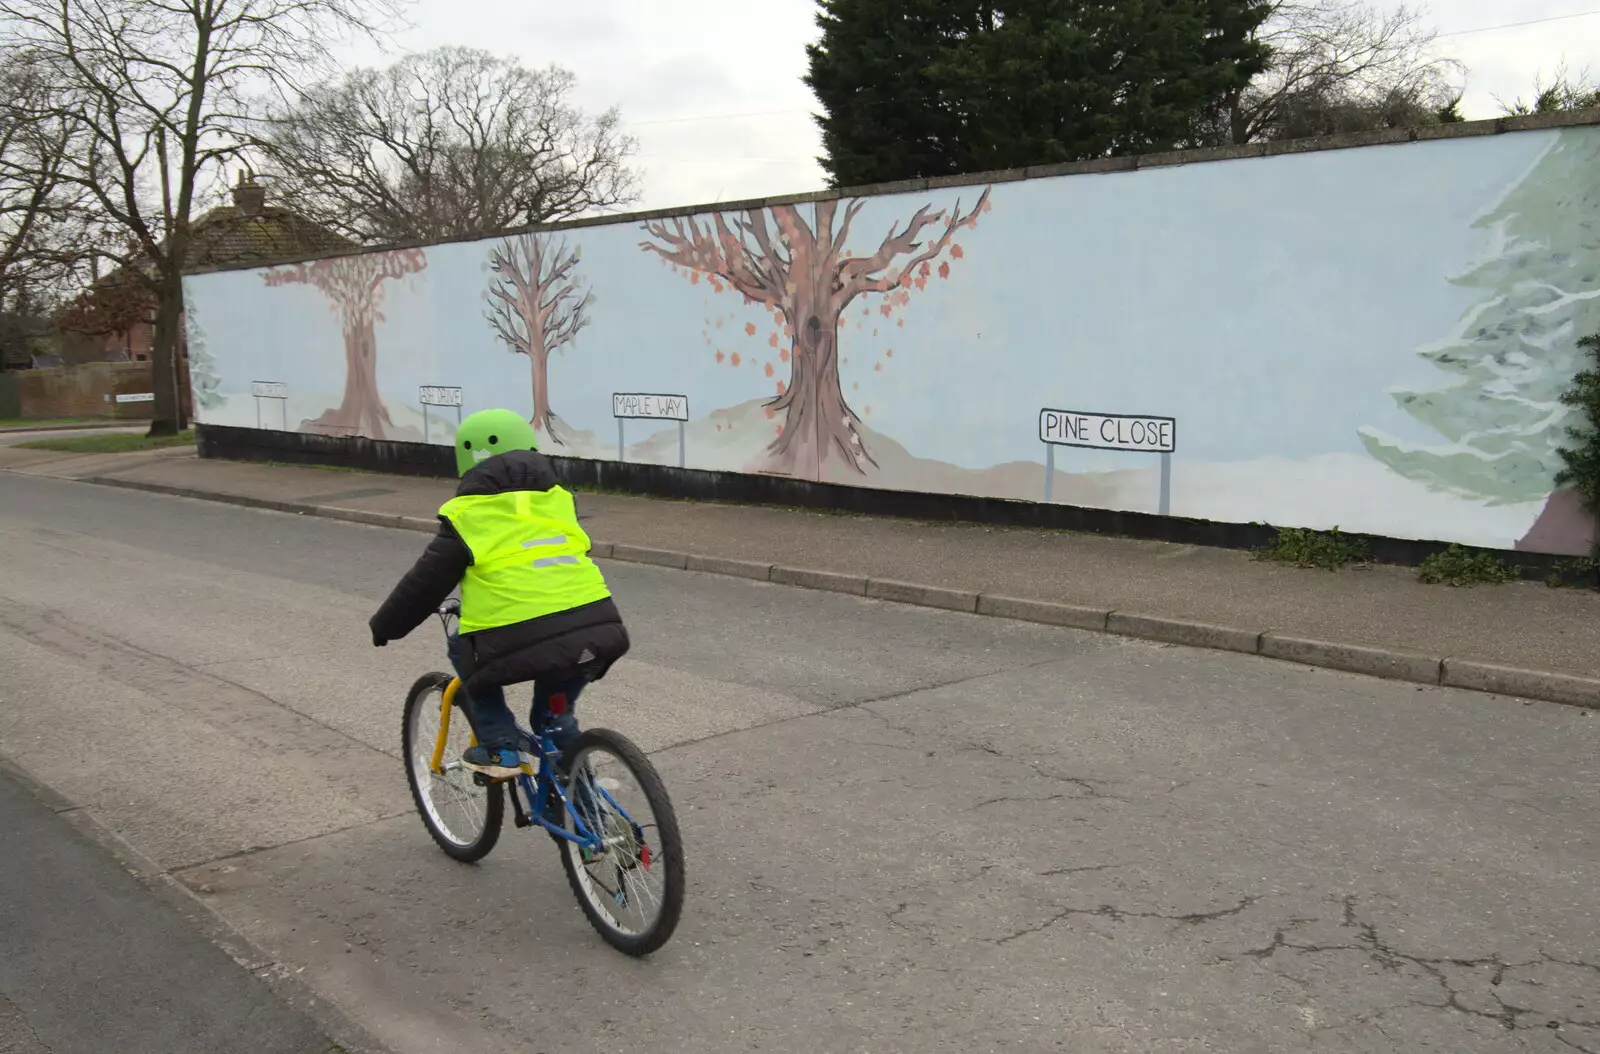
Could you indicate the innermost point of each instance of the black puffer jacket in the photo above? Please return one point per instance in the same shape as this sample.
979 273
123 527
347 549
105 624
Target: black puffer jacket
589 638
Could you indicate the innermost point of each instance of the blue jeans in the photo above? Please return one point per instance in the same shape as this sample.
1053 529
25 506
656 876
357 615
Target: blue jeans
491 718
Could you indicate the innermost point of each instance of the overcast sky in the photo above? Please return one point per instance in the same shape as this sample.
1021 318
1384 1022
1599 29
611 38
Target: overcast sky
712 91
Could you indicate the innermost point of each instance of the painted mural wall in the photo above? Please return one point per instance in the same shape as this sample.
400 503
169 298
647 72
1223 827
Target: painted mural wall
1372 338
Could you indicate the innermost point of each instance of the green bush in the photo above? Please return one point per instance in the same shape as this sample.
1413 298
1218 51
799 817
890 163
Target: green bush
1329 550
1581 454
1458 567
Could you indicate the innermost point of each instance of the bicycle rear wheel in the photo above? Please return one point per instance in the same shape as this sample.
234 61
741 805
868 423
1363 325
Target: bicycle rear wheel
463 818
632 890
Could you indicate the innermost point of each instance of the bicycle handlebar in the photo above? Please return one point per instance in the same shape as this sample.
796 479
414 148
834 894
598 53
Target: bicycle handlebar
450 607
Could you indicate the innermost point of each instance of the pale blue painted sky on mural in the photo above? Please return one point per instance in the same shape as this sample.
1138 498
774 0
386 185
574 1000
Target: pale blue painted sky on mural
1210 292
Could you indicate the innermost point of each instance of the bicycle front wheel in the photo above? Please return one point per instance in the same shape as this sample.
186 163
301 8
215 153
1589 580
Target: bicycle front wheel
463 818
631 888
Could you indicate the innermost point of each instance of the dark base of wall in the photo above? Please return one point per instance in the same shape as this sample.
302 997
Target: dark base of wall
419 459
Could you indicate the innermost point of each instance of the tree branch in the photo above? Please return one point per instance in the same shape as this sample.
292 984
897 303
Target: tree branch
864 274
446 143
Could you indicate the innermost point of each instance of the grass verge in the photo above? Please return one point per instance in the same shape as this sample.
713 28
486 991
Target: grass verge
110 444
51 422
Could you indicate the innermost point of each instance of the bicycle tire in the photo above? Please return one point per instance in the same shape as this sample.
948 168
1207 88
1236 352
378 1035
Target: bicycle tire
494 800
669 854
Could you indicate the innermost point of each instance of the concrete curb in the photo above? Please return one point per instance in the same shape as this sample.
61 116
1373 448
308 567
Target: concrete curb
922 596
1388 663
161 884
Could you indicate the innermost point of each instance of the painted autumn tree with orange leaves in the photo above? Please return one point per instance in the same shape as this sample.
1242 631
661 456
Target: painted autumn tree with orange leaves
536 307
806 277
354 288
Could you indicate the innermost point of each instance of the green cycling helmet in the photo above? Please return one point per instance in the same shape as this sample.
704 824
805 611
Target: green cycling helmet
489 432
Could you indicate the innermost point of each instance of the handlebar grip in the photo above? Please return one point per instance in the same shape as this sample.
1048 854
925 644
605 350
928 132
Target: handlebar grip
451 607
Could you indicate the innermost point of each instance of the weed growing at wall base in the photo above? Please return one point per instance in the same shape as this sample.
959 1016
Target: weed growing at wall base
1581 572
1458 567
1329 550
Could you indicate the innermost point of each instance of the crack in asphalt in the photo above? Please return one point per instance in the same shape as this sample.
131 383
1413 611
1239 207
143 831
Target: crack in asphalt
1369 941
893 915
1080 870
1116 914
1020 799
1089 787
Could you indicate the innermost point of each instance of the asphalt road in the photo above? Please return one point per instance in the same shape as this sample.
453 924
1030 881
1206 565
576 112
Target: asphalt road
93 962
907 830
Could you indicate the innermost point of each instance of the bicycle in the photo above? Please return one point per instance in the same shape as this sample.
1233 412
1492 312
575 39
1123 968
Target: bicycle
573 797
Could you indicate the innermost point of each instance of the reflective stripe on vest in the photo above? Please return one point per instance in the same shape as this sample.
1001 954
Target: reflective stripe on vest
529 557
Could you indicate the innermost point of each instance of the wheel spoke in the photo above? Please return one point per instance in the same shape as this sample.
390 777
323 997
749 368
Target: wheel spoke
613 803
453 804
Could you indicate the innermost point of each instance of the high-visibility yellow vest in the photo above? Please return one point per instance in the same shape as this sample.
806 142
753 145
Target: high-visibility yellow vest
529 557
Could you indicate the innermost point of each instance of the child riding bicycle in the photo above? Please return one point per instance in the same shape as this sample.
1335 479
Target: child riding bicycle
534 607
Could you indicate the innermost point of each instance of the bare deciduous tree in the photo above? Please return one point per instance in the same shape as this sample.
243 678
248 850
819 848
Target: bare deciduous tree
45 221
162 92
1340 66
449 142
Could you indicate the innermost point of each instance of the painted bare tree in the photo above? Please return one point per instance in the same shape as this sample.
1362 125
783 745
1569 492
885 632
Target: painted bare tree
537 306
354 286
805 275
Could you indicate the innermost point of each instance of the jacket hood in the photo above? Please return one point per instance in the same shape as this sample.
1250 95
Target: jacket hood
513 470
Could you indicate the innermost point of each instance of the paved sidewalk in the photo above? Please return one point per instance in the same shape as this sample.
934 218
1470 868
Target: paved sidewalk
1525 625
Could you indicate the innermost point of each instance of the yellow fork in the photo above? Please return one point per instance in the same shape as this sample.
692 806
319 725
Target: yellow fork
437 762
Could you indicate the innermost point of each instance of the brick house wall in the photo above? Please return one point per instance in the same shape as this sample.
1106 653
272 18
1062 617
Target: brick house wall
89 390
134 344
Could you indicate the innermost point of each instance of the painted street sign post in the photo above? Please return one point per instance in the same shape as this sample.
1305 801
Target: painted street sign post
640 407
437 395
271 390
1140 433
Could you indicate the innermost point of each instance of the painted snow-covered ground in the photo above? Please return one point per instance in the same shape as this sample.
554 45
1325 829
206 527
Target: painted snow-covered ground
1348 491
240 411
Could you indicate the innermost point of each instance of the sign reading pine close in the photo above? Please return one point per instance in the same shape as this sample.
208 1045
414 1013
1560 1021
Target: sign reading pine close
1153 435
656 407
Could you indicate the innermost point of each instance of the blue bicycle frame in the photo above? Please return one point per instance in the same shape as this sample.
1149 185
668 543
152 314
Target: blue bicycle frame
537 787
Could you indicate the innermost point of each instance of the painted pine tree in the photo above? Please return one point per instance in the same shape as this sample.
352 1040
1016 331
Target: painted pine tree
1515 351
203 380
